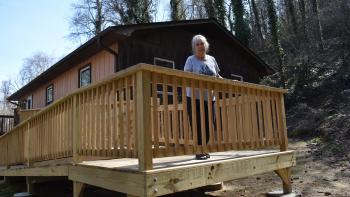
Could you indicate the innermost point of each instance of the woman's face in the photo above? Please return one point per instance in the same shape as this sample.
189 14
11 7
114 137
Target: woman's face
199 49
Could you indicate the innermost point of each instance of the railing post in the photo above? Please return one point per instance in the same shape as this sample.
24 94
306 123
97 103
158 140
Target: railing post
284 173
284 137
76 129
143 119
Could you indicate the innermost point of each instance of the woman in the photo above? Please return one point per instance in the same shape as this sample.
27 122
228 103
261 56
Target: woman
201 63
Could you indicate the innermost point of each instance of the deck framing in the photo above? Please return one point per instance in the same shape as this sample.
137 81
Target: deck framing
165 180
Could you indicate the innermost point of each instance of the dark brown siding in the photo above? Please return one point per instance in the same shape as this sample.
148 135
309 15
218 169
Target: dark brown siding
175 44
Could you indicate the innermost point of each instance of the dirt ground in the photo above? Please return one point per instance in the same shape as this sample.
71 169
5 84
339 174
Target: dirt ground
314 175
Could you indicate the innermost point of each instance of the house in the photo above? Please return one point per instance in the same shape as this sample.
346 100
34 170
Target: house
113 114
116 48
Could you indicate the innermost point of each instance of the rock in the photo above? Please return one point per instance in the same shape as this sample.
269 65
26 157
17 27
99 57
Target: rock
279 193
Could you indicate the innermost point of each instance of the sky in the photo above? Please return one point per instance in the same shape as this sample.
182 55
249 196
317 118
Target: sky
30 26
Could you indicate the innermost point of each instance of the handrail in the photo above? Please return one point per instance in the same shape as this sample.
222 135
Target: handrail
124 116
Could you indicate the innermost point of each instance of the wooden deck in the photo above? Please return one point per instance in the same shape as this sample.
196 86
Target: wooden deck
132 133
169 175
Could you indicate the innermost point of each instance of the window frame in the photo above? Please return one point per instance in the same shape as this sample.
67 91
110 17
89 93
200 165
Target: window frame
29 105
81 70
46 94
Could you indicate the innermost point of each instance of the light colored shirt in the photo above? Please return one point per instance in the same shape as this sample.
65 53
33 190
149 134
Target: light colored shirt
207 66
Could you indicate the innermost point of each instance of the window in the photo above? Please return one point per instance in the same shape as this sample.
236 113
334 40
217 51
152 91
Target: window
164 62
85 76
49 94
29 102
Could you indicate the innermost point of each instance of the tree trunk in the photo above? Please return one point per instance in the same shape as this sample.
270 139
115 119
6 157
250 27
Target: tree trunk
291 14
256 20
209 8
241 27
303 19
99 17
176 10
219 6
317 23
273 27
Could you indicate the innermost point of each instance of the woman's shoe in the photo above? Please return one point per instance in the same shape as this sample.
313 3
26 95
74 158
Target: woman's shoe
201 156
207 155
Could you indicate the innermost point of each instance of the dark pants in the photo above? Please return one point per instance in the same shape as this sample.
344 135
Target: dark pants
198 117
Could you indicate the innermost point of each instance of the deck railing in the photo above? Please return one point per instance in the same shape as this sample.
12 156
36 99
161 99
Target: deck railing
143 112
6 123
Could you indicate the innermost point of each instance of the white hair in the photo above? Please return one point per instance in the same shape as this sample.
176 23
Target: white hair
198 38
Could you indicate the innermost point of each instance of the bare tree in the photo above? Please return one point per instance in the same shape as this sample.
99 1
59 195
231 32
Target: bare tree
33 66
88 20
130 11
5 91
177 11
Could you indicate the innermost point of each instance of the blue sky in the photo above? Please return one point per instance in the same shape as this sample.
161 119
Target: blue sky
29 26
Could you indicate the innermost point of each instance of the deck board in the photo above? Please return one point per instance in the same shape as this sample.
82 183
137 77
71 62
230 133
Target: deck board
131 164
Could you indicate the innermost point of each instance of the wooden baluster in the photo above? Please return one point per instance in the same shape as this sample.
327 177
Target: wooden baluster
232 126
76 128
134 115
274 119
185 116
218 119
59 130
103 121
266 119
155 115
210 117
239 95
260 119
269 118
225 133
120 118
245 113
194 117
166 128
95 120
127 116
108 121
175 116
254 119
114 124
202 117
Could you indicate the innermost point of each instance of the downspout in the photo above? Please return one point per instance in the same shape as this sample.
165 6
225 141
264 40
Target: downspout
100 43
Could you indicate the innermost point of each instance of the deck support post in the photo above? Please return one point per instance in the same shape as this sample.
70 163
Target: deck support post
78 189
284 174
143 119
30 186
